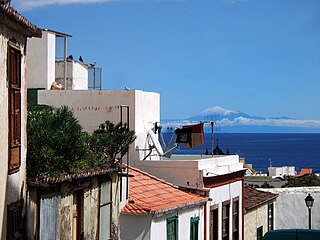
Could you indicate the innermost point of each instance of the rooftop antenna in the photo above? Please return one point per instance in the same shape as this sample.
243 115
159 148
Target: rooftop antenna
270 162
212 136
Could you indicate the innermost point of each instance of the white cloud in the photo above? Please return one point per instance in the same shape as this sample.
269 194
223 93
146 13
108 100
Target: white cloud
270 122
25 5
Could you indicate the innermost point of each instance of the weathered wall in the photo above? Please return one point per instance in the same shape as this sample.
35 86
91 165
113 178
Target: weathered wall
41 61
91 210
291 210
77 75
254 219
93 107
12 187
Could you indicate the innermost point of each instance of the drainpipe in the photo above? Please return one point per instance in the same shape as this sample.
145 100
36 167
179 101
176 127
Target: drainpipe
65 62
242 207
205 221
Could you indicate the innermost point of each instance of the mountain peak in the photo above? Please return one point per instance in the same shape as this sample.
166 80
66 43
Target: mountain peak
218 110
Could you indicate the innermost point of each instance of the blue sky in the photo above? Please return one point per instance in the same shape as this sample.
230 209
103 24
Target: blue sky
261 57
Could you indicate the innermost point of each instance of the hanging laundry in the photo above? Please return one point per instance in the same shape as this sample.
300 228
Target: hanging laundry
184 136
197 134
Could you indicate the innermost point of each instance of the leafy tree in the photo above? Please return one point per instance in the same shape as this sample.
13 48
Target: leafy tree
111 141
58 144
303 181
56 141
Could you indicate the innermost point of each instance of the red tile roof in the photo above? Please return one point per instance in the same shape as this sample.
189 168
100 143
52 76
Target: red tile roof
151 195
33 30
254 198
305 171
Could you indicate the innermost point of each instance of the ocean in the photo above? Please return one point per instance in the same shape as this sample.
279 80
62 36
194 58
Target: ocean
262 149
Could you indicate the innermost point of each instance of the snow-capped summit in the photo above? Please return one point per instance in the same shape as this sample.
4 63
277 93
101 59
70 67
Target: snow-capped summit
218 110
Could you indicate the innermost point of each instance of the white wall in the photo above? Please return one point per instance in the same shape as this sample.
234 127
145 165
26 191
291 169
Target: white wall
41 61
77 75
93 107
221 194
281 171
291 208
155 228
134 227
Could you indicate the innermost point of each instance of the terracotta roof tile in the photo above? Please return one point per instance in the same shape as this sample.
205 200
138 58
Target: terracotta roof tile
305 171
68 177
254 198
17 17
151 195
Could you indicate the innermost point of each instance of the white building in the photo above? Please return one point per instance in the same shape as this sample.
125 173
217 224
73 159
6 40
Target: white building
281 171
220 177
291 208
160 210
14 31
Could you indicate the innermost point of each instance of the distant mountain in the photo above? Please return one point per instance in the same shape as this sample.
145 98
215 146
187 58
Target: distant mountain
218 113
238 122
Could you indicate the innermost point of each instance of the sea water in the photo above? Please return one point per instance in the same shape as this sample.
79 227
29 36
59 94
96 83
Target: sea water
265 149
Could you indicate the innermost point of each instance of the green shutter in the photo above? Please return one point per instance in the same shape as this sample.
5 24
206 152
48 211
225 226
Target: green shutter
194 228
260 233
172 228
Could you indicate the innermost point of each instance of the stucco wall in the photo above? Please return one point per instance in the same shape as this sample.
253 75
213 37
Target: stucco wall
254 219
41 61
291 208
12 187
77 75
155 228
93 107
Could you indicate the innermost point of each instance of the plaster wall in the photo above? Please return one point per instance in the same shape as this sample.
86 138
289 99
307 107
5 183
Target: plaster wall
12 187
155 228
221 194
41 61
159 225
135 227
254 219
93 107
91 210
291 210
187 170
77 75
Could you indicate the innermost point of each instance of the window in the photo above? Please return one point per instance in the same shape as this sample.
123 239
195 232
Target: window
235 219
225 220
105 211
14 84
194 228
172 228
260 233
214 218
14 223
270 216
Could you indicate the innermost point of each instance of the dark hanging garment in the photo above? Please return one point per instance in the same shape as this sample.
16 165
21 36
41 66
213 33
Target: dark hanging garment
184 135
197 134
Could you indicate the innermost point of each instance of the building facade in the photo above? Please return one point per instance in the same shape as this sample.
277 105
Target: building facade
259 216
14 31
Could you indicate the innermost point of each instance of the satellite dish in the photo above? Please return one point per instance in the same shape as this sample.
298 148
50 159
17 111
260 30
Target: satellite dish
155 142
